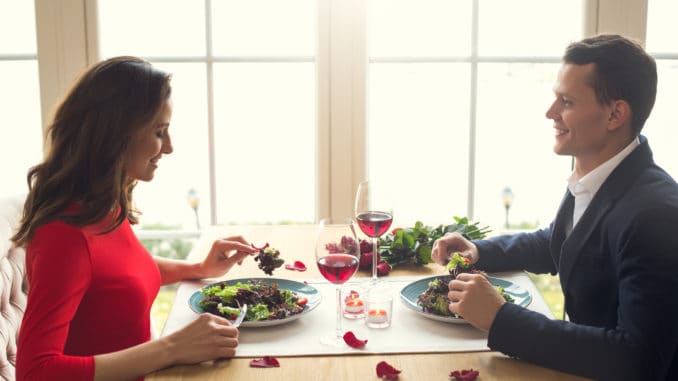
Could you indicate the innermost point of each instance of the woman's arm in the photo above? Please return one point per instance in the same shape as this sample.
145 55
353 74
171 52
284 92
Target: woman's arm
206 338
223 255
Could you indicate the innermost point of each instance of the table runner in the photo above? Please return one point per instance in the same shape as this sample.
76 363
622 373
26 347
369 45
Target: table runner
409 332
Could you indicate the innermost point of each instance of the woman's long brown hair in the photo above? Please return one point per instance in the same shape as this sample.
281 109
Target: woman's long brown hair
89 136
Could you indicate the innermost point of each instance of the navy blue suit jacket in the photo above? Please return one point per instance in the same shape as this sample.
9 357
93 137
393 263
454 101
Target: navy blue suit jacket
619 273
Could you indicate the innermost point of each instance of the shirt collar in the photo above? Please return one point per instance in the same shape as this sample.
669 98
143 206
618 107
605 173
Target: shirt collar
593 180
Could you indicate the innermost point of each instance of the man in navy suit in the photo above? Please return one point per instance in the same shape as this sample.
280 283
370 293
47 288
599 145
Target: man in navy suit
614 241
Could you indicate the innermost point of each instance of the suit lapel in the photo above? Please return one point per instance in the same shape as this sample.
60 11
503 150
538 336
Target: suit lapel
561 226
619 181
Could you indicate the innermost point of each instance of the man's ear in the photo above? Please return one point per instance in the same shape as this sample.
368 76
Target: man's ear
620 114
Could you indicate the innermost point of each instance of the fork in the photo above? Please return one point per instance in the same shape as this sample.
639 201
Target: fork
241 316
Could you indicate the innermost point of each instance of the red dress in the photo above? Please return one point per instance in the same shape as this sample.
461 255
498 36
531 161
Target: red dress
89 294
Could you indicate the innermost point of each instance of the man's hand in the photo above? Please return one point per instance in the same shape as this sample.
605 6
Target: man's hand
450 243
474 298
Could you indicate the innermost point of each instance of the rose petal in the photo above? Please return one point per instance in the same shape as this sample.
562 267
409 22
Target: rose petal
387 371
298 266
383 268
354 342
464 374
353 294
259 248
365 246
265 362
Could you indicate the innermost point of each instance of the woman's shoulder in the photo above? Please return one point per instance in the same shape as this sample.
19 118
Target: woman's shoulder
56 232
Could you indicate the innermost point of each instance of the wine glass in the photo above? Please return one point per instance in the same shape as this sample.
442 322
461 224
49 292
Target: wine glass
374 214
337 253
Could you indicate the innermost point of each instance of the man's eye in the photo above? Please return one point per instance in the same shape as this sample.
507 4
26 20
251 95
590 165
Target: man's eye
566 102
160 134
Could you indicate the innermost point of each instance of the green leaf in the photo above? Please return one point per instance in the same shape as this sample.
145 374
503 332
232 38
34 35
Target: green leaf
413 244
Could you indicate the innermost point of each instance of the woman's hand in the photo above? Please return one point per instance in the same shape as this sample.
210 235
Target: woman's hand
225 253
474 298
208 337
450 243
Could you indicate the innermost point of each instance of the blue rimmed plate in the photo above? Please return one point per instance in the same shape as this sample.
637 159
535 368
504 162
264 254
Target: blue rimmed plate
301 289
410 293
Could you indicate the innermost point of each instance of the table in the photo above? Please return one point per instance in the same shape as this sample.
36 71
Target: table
296 243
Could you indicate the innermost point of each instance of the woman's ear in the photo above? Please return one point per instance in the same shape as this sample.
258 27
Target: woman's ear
620 114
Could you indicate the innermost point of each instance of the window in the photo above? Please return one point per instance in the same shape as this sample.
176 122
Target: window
457 96
661 126
21 132
244 105
282 107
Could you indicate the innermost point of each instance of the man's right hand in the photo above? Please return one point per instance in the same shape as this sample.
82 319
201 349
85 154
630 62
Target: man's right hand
453 242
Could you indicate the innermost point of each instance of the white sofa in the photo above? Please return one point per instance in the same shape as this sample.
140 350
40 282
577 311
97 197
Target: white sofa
13 285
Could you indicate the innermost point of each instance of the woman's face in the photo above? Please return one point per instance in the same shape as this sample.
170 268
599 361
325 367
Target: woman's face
149 144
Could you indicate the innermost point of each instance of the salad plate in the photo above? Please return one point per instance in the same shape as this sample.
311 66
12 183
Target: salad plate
410 293
301 289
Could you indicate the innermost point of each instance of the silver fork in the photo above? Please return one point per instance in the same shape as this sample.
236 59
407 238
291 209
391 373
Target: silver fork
241 316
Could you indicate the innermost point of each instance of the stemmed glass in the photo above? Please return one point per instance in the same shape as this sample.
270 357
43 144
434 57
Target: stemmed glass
374 214
337 254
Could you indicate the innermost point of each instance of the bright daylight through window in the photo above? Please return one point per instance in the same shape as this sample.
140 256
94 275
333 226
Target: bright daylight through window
20 134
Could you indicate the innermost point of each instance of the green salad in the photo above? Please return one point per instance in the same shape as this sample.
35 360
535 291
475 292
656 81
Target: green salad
264 301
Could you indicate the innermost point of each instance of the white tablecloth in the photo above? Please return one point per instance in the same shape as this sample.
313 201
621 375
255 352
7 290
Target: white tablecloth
408 333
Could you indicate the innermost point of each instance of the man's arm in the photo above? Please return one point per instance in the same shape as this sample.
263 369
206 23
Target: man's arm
521 251
643 343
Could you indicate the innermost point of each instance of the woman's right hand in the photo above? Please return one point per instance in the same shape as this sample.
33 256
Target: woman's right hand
208 337
453 242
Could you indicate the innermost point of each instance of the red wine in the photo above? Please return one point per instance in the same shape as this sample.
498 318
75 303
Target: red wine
374 224
338 268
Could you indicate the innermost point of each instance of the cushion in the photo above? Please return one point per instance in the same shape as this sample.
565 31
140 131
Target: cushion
13 284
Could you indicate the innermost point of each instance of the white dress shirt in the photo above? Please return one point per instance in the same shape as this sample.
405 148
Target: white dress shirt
585 188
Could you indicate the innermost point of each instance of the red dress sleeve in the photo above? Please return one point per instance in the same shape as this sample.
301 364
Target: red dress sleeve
59 271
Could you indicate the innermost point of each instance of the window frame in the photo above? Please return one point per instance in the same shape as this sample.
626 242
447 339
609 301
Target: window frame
67 42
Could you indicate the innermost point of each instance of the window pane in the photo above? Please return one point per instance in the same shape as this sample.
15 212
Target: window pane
507 28
17 27
264 27
660 127
662 28
151 28
419 28
265 141
515 145
163 200
418 138
21 132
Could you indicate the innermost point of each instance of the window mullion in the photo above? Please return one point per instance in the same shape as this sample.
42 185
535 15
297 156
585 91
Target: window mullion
62 49
346 99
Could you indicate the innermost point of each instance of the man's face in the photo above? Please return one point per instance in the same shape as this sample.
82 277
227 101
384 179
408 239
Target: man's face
580 121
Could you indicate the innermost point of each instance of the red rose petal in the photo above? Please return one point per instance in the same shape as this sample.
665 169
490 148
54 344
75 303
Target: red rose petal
387 371
464 374
353 294
265 362
383 268
354 342
298 266
259 248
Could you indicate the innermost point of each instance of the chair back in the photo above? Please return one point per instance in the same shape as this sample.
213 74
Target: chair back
13 285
